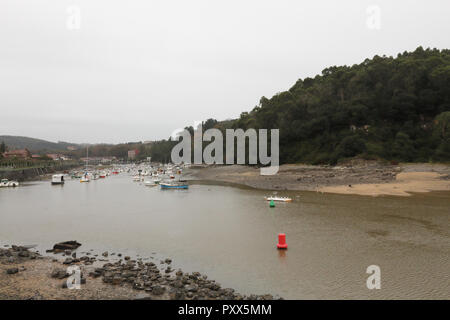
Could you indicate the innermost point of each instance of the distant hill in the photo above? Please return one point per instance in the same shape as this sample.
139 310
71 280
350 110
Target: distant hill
35 145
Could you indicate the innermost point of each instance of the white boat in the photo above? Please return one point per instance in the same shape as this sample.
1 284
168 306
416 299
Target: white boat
137 178
58 179
150 183
281 199
7 183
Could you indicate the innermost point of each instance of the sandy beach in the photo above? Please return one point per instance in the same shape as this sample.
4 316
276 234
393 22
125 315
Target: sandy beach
355 177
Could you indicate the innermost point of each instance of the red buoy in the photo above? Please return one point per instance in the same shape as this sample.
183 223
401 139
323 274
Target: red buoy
282 241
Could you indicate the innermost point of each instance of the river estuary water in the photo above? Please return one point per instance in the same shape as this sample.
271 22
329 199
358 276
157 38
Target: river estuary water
230 234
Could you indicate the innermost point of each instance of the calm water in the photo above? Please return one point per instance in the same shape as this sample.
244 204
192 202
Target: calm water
230 234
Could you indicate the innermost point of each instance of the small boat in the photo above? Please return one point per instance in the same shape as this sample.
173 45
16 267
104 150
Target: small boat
58 179
281 199
137 178
150 183
174 185
102 175
7 183
85 178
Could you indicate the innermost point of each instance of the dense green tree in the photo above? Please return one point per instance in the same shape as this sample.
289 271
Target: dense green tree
2 147
384 107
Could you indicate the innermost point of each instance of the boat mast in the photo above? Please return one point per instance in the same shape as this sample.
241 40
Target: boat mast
87 157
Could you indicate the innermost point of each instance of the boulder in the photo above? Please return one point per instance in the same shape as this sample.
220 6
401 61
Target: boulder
12 270
66 245
59 273
158 290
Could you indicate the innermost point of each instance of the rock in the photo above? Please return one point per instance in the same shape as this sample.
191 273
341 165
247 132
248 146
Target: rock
24 254
105 254
74 255
177 295
12 270
66 245
138 286
59 273
214 286
191 288
158 290
168 261
127 258
68 261
116 280
94 274
107 279
67 252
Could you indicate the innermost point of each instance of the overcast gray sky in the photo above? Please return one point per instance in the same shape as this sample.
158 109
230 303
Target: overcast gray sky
138 69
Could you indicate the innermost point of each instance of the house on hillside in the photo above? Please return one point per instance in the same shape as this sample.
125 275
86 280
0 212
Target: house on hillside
132 154
53 156
19 154
56 156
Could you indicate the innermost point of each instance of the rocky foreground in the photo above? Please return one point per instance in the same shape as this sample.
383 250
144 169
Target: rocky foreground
25 274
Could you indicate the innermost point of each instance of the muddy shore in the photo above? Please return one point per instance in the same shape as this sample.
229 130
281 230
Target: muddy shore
354 177
26 274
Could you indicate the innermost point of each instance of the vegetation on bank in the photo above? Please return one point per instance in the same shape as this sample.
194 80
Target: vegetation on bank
390 108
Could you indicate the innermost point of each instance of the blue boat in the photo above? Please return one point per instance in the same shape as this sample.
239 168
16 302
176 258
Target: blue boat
173 185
